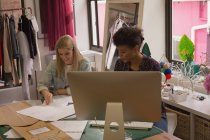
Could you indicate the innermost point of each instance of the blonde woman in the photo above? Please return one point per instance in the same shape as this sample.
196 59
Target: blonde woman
68 58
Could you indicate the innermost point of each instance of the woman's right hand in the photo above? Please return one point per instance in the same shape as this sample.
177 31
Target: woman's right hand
47 96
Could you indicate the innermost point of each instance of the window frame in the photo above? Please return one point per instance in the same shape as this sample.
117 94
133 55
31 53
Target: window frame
168 32
168 35
93 47
168 29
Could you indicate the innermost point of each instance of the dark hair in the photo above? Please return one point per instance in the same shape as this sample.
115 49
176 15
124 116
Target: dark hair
129 36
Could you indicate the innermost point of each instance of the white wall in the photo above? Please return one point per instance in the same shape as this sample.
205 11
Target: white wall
82 24
154 26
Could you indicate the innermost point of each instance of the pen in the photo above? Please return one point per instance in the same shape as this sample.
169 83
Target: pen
69 104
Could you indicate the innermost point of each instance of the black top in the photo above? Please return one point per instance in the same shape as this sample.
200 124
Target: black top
147 64
27 28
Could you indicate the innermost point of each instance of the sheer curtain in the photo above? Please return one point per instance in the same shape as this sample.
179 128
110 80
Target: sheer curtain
56 19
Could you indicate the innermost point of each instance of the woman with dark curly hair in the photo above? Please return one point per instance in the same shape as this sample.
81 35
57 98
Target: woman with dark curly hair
128 41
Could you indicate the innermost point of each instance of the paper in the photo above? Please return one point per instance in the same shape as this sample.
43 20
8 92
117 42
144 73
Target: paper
12 134
62 100
74 136
39 131
61 107
48 112
72 128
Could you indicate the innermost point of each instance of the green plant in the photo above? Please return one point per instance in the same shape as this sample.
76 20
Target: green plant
146 50
186 49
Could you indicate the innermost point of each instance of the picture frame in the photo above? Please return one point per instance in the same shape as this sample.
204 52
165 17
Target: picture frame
118 13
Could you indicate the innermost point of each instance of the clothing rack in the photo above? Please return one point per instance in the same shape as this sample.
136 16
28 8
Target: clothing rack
14 9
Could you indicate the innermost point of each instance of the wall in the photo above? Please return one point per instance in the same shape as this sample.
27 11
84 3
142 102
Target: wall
154 26
82 24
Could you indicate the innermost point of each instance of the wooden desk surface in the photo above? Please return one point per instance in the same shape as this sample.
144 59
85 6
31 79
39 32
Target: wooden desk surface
163 136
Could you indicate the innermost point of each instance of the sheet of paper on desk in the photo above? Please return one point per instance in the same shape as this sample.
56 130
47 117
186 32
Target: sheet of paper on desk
72 128
62 100
48 112
12 134
75 136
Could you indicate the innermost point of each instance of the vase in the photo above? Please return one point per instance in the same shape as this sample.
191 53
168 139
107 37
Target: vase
186 84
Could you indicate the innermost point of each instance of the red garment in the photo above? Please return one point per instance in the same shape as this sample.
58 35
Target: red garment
57 20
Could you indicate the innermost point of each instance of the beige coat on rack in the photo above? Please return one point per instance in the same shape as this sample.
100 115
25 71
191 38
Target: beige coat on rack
9 66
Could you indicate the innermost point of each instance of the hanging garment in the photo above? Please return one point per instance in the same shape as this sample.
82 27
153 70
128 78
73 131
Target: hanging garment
7 66
26 63
10 65
37 59
1 39
69 18
27 28
15 50
7 62
53 24
1 46
111 47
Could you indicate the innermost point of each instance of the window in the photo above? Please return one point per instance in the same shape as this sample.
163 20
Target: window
191 18
96 15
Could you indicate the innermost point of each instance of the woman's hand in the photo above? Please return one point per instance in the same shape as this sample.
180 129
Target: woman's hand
47 96
61 91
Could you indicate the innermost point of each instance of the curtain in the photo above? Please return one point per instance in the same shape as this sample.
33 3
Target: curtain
56 19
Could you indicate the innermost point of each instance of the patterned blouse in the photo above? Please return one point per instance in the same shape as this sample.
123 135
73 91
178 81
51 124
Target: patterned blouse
147 64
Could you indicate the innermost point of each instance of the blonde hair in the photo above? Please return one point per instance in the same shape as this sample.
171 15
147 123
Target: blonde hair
66 41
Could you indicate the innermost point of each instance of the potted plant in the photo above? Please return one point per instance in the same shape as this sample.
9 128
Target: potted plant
186 49
186 53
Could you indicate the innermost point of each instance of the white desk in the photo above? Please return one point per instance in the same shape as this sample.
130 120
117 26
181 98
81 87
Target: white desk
194 107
